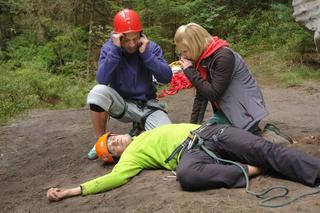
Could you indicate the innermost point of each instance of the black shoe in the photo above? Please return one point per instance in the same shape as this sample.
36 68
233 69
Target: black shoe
277 131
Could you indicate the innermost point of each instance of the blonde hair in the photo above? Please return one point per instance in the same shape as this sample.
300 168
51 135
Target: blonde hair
194 37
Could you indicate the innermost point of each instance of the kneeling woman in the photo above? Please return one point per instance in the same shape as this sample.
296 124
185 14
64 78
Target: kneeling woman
220 76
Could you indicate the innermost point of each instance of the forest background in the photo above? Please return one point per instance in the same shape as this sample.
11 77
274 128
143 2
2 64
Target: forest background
49 48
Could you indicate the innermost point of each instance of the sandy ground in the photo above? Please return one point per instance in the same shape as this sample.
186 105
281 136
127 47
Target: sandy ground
48 148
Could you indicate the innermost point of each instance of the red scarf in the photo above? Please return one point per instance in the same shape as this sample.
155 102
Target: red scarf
216 44
212 47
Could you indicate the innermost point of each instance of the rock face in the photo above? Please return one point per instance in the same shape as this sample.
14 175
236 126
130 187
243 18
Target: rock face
307 13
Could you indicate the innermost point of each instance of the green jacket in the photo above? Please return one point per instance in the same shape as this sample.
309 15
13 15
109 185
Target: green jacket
147 151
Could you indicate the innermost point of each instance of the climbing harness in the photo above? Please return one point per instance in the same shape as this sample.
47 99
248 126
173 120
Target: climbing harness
194 139
139 126
189 142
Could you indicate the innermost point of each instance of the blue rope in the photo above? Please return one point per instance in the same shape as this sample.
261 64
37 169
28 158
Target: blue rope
264 202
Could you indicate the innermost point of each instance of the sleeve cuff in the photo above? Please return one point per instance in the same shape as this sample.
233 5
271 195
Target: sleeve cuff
189 72
83 190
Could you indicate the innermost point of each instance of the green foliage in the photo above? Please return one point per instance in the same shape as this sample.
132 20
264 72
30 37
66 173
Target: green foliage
268 29
271 66
21 50
28 88
65 54
208 16
44 64
297 75
15 96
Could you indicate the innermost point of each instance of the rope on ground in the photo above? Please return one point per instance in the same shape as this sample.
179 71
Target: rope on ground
264 202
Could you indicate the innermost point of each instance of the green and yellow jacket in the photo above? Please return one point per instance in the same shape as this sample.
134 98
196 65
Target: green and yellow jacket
147 151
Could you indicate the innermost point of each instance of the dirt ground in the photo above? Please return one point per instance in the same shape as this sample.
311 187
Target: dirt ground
48 148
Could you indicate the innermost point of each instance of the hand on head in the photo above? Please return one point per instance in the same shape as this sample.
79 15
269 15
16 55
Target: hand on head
144 42
116 39
130 42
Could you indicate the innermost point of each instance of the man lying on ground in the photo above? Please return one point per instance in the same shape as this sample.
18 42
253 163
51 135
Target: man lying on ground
195 169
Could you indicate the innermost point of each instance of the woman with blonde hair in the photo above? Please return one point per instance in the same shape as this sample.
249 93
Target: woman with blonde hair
220 76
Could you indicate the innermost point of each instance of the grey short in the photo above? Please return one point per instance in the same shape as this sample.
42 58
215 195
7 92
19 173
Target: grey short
128 110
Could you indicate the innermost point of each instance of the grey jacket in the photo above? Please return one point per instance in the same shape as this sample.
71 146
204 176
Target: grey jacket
232 85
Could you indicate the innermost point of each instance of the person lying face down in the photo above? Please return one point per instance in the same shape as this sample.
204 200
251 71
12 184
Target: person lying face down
195 170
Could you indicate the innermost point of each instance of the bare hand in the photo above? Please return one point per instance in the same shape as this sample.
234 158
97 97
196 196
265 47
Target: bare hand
116 39
56 194
144 42
185 62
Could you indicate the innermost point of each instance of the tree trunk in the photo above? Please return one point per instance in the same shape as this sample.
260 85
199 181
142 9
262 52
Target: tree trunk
89 74
84 7
75 12
42 33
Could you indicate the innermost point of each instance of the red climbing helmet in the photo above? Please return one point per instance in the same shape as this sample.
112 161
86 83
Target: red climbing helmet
127 21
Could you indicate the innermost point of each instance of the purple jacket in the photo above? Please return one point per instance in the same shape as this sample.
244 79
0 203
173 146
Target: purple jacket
131 74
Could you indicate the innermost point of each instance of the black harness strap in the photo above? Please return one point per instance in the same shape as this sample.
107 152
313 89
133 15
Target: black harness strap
189 142
196 140
152 110
179 148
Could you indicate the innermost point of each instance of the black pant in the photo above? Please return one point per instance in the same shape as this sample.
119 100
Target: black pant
197 170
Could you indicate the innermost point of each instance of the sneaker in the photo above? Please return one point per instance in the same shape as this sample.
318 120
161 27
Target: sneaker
273 134
92 155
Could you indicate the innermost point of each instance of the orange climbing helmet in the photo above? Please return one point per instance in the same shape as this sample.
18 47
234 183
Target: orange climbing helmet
127 21
102 148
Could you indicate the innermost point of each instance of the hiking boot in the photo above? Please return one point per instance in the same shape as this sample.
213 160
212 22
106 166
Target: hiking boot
273 134
92 155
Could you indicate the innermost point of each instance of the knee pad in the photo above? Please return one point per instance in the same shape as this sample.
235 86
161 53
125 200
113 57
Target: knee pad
95 108
100 95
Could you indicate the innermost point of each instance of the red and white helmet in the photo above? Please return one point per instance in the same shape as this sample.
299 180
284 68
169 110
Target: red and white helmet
127 21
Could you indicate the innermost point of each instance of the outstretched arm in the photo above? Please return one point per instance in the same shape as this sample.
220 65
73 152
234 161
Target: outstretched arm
57 194
120 175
